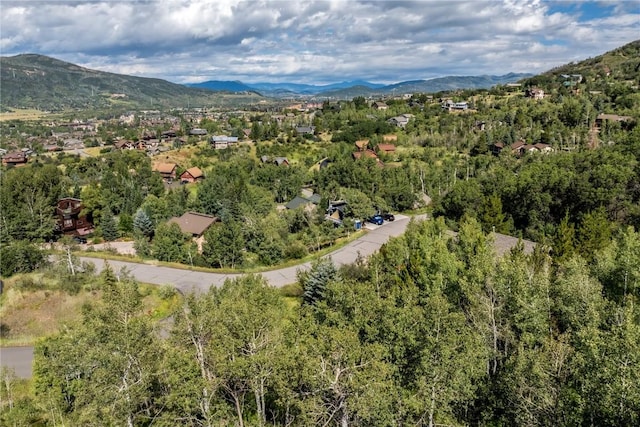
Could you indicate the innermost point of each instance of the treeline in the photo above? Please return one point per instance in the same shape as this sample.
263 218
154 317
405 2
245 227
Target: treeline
534 195
432 330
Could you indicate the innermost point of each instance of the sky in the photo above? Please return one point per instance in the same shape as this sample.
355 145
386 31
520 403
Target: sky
316 42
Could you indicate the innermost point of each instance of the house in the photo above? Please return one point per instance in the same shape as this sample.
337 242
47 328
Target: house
70 220
543 148
399 121
14 158
309 203
168 134
379 105
497 148
386 148
220 142
534 92
518 147
198 132
305 130
390 138
368 153
335 212
447 103
320 164
365 153
194 223
362 144
280 161
601 118
166 170
124 145
193 174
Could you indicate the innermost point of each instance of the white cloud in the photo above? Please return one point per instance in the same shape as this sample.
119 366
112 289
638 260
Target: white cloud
310 41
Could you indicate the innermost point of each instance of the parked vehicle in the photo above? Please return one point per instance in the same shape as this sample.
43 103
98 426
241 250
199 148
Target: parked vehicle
376 219
79 239
388 217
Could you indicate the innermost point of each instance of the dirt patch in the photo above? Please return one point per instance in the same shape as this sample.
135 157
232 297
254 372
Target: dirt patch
27 315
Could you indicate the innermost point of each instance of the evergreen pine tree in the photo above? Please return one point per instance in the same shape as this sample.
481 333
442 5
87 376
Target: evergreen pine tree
142 223
109 226
316 279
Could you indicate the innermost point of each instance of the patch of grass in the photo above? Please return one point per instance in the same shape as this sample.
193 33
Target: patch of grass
24 114
93 151
27 315
31 314
293 290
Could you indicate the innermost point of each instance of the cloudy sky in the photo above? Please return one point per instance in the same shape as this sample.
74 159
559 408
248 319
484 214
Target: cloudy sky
316 41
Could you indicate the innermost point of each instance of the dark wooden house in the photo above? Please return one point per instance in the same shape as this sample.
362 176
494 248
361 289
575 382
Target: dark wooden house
70 219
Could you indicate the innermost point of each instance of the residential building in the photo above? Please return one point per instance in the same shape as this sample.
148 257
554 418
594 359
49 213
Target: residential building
70 219
166 170
193 174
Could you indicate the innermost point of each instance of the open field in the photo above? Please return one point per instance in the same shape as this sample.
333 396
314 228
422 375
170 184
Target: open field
29 314
26 114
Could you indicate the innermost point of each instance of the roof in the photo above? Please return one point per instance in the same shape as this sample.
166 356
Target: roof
614 117
305 129
365 153
386 147
15 155
193 223
195 172
297 202
281 160
164 167
517 145
362 143
302 201
224 138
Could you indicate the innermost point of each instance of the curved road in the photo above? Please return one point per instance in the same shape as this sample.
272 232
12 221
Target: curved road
197 281
20 359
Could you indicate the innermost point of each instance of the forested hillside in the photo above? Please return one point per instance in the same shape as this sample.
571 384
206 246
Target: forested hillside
44 83
431 331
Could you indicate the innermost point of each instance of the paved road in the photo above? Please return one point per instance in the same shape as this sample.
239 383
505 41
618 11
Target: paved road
197 281
18 359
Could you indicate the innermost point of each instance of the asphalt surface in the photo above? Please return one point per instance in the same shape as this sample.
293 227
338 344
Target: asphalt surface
17 359
197 281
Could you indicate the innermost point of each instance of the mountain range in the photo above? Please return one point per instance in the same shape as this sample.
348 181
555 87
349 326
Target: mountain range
45 83
362 88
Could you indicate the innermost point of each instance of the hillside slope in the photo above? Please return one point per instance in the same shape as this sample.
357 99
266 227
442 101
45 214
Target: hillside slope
621 65
37 81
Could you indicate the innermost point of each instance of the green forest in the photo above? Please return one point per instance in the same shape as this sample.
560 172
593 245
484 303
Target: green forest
433 330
